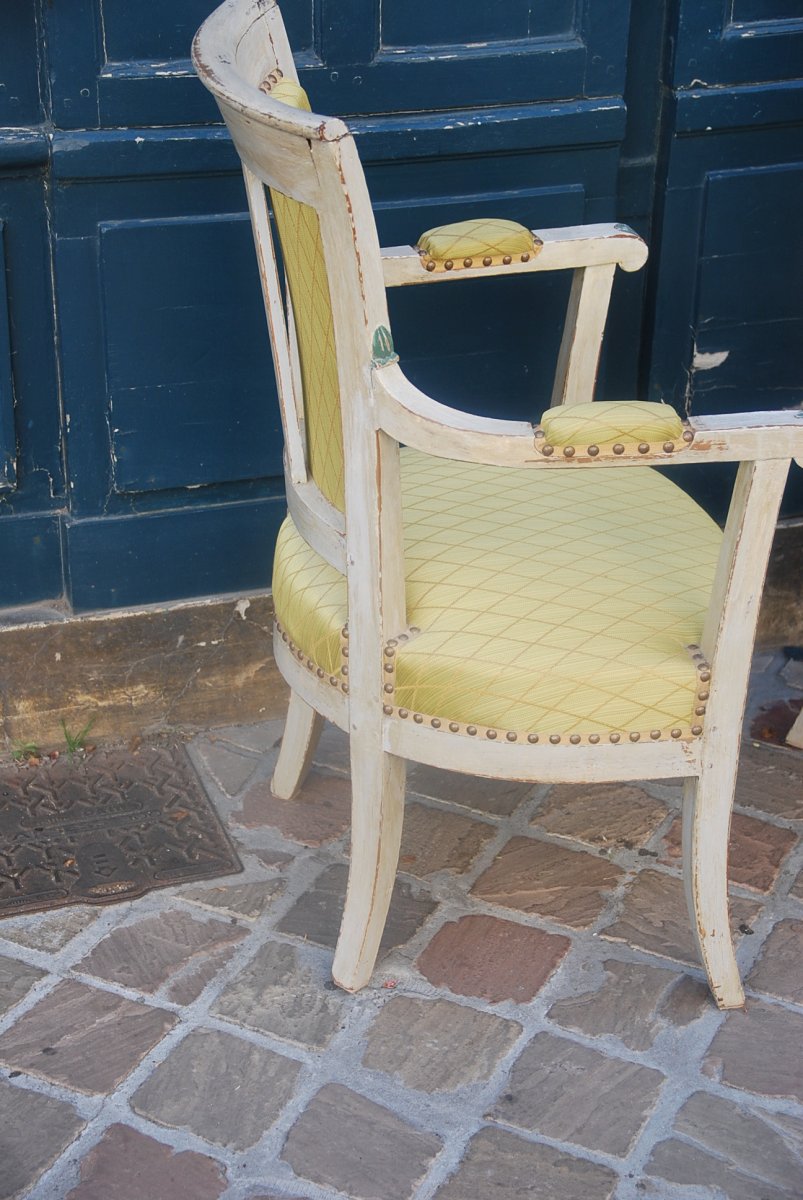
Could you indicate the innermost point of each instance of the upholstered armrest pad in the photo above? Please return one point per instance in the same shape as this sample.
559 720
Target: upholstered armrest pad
476 243
603 422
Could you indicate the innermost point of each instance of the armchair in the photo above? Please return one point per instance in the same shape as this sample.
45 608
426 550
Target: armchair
531 602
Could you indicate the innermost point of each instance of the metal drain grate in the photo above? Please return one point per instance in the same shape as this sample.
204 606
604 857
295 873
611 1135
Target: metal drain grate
106 827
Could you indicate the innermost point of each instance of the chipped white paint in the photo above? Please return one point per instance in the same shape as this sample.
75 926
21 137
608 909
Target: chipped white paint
313 159
242 607
706 361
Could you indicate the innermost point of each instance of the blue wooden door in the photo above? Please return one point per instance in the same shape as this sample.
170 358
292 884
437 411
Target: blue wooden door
140 448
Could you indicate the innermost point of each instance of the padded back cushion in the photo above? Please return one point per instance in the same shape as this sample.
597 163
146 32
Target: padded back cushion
305 267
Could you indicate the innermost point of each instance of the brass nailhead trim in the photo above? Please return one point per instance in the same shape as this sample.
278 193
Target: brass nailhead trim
388 687
547 450
568 451
525 257
575 739
430 265
507 260
436 723
668 447
471 730
634 737
554 738
539 433
417 717
705 676
403 713
447 266
486 262
676 733
655 734
615 737
593 738
593 451
644 447
703 695
320 672
618 448
454 727
388 666
468 262
700 711
688 436
490 733
511 736
387 709
532 738
697 730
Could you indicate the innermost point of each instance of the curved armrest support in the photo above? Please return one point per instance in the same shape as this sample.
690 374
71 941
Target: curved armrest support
414 419
568 248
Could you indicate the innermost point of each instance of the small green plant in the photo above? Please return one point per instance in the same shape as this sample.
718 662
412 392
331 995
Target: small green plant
23 750
76 741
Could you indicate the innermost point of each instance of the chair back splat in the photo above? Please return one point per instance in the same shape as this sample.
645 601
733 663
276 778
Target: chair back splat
516 600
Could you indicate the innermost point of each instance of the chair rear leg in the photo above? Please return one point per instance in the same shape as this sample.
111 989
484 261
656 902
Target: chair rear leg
299 741
377 813
706 826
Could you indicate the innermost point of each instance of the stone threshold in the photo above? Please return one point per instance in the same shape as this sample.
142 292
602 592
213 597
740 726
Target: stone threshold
190 665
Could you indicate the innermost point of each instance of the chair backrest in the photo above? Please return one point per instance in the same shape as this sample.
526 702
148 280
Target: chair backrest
322 334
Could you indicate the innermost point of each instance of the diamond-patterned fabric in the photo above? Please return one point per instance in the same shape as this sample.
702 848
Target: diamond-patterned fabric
548 601
604 421
490 236
305 266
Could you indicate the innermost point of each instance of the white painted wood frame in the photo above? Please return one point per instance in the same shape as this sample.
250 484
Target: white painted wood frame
313 159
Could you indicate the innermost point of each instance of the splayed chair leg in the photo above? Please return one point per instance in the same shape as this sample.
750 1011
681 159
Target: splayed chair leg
706 827
299 740
377 781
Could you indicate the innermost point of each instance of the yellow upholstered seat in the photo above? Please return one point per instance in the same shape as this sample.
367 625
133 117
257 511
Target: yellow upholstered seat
552 603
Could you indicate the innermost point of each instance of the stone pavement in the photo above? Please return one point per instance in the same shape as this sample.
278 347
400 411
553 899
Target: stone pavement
537 1027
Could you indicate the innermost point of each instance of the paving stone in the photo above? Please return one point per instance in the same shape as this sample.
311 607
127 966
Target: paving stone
229 768
654 917
435 839
16 980
129 1165
319 813
34 1130
575 1094
260 738
500 1166
755 853
497 796
83 1038
792 672
147 954
248 900
273 859
47 931
349 1143
225 1090
687 1001
748 1155
624 1004
437 1046
316 915
491 959
609 815
189 983
770 780
760 1050
333 748
539 877
778 971
277 994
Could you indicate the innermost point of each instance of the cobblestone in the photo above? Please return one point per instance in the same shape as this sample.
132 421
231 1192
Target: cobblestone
538 1024
347 1142
491 959
222 1088
437 1046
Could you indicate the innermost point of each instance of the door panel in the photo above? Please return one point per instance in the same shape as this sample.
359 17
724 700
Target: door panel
8 442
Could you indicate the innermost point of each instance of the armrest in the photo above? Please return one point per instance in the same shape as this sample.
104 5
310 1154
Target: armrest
572 247
415 419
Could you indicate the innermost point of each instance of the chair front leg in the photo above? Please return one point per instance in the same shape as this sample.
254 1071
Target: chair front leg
377 812
707 802
299 741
